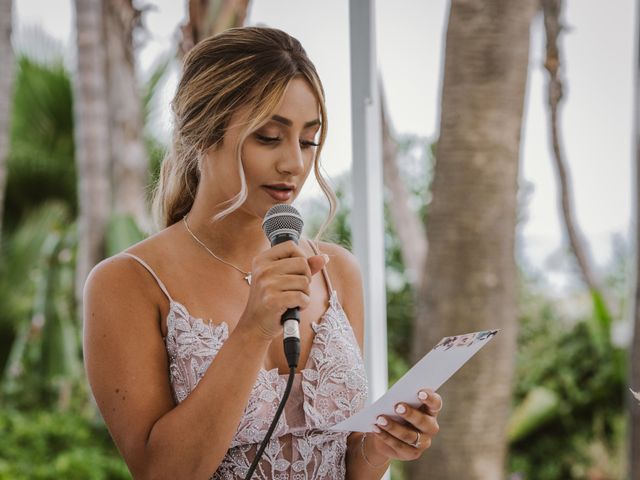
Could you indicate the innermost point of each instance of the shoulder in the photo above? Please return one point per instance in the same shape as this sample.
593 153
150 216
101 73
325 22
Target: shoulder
115 285
123 280
117 273
343 267
344 272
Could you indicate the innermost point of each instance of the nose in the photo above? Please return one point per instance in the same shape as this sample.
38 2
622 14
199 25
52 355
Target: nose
292 160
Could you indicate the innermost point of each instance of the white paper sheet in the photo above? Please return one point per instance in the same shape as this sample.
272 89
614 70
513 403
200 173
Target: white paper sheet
435 368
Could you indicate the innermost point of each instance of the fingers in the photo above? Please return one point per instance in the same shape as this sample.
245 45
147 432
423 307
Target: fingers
418 422
290 258
431 401
286 266
317 262
394 447
284 250
421 421
408 439
282 276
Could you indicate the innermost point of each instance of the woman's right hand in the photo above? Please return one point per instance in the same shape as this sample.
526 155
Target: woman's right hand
280 279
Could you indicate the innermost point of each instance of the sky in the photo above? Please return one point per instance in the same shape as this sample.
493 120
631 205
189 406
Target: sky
596 116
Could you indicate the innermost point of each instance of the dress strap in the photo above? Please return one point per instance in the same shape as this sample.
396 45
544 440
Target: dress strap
324 269
150 270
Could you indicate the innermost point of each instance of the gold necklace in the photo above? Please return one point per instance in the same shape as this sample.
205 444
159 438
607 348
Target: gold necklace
247 275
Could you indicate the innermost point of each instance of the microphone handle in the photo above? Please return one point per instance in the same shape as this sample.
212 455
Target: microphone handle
290 318
291 322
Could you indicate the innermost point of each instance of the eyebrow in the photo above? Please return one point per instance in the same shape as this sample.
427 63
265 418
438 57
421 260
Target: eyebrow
288 123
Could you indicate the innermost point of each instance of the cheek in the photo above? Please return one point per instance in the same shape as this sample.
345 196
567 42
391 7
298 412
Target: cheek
256 163
310 161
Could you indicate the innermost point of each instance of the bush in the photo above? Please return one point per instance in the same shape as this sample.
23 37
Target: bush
585 436
41 445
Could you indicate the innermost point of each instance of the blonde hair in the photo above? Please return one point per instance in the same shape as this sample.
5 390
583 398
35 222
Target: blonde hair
248 67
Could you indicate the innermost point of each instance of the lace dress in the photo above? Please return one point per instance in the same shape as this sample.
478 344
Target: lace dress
331 387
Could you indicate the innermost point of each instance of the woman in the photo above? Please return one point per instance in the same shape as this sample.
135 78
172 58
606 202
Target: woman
182 333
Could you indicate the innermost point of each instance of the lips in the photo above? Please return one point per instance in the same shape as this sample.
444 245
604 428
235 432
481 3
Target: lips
280 191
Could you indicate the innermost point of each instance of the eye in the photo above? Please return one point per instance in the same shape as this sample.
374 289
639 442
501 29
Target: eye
308 144
266 139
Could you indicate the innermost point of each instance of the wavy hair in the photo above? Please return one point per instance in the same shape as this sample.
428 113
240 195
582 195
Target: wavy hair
238 68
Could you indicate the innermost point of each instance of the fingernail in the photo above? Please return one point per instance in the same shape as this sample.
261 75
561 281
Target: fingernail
382 421
326 258
422 395
400 409
375 429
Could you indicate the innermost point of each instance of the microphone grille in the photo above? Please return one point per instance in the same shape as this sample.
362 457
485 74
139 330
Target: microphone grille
282 218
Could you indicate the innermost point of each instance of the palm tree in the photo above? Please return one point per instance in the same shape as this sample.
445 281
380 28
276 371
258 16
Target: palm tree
92 138
470 276
6 88
40 163
209 17
129 161
38 328
39 331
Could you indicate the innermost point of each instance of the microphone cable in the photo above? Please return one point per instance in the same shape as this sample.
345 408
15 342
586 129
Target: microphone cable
281 223
272 427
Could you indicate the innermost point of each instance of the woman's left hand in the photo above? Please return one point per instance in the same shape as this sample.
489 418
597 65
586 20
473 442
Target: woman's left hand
406 441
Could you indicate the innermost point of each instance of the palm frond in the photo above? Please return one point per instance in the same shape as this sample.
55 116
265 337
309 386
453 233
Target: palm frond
41 152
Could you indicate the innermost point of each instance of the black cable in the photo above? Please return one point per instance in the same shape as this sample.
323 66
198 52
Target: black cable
263 445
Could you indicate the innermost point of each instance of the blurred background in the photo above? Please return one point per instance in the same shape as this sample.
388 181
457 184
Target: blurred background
509 152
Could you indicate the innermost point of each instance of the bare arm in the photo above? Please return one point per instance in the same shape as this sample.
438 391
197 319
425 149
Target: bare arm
127 366
345 269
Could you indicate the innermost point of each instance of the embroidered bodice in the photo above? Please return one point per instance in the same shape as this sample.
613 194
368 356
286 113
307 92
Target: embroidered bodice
331 387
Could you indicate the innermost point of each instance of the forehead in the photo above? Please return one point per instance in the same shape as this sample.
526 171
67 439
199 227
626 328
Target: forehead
299 105
299 102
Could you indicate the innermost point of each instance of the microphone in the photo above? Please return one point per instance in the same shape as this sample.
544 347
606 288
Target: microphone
281 224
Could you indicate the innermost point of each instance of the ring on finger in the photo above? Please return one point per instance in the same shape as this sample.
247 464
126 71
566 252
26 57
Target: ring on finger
416 443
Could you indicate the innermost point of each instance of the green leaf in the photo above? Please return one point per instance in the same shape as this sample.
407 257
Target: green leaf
122 232
539 407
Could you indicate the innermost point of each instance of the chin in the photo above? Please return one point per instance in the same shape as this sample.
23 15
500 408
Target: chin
259 202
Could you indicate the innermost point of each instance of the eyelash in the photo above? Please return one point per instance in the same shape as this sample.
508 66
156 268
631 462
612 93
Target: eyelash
271 140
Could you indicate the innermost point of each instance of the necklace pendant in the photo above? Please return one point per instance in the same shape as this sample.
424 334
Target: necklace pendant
247 277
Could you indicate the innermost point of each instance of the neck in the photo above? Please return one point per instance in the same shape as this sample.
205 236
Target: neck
236 238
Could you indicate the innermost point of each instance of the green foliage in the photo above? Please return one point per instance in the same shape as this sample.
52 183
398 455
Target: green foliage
156 152
122 232
538 407
40 168
44 362
40 347
41 153
41 445
585 375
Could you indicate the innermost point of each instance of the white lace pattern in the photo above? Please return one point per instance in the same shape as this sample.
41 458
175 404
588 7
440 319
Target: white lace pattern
331 388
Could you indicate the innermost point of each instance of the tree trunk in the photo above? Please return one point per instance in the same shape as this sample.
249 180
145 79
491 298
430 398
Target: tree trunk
210 17
130 165
470 277
407 223
552 11
92 138
6 94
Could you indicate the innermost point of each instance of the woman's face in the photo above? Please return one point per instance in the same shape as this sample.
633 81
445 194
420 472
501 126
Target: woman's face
277 157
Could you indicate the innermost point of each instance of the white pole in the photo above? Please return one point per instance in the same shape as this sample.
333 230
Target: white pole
367 218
